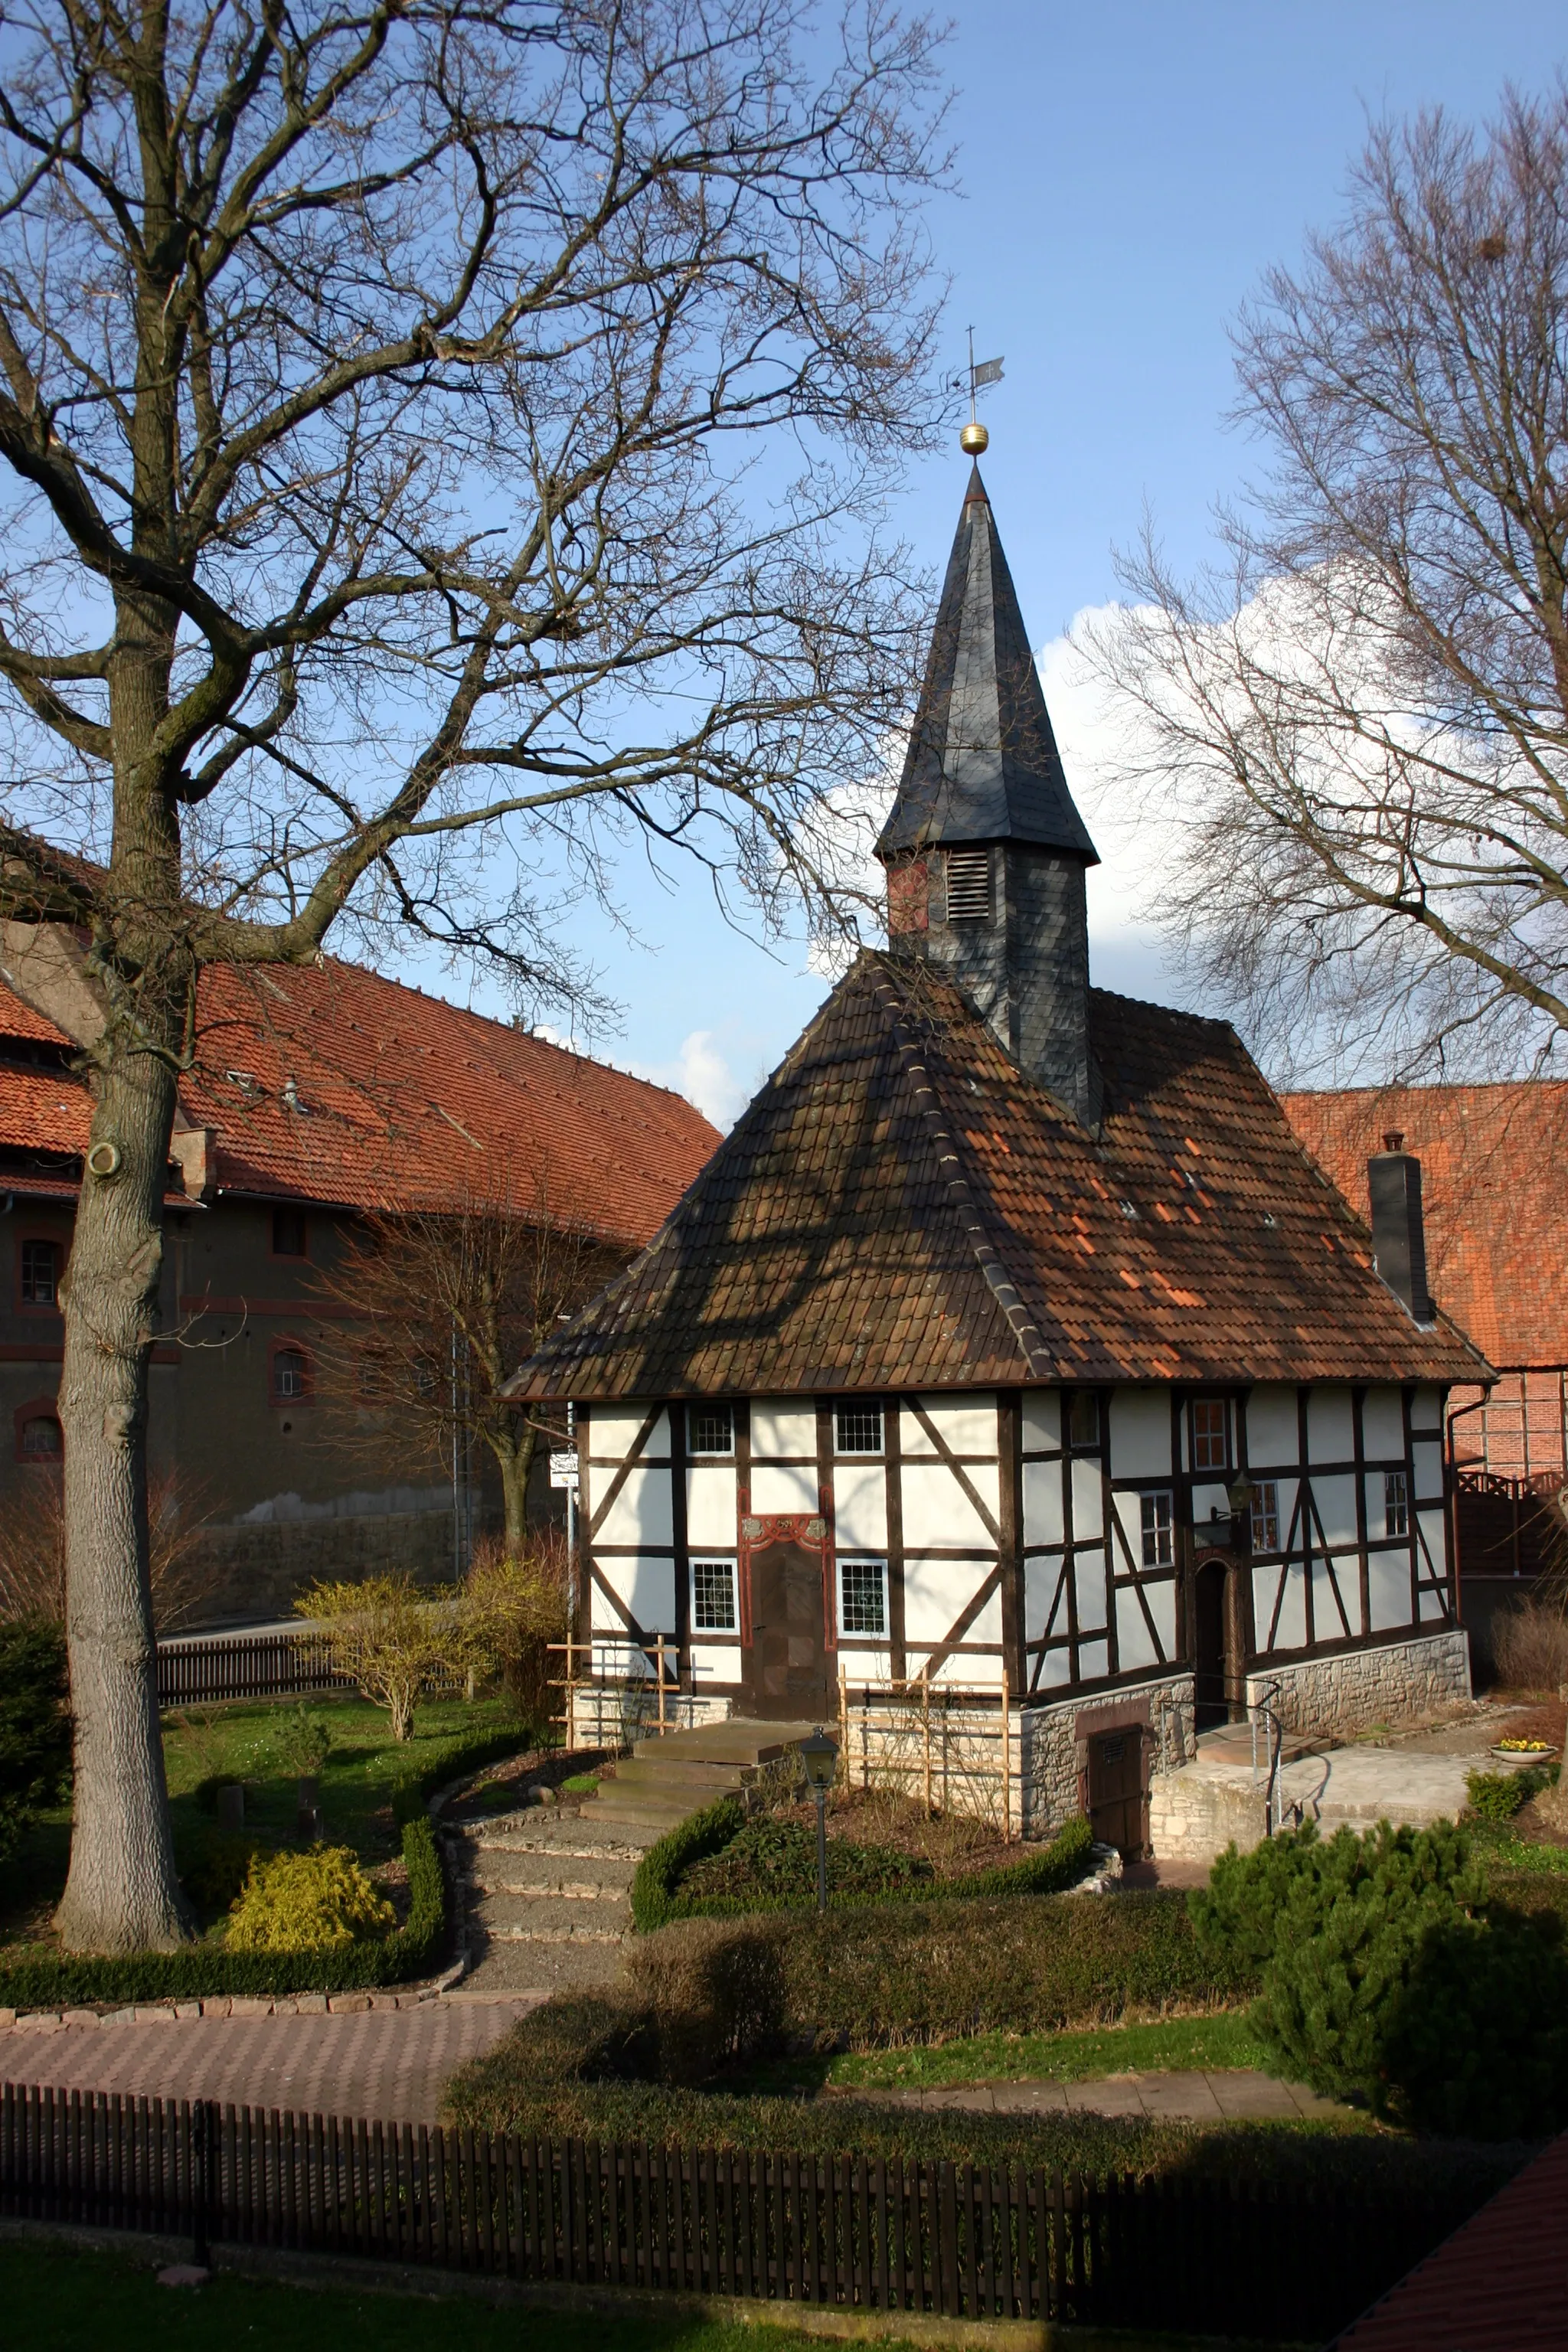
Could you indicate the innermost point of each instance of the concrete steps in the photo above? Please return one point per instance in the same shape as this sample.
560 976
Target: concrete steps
665 1779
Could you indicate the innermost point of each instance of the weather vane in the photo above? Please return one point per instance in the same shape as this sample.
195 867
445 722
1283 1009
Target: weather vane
974 439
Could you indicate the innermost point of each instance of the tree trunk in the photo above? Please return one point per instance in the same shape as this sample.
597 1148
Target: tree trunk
121 1894
515 1461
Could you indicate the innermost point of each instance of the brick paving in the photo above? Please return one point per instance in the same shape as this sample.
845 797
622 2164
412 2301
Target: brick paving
387 2063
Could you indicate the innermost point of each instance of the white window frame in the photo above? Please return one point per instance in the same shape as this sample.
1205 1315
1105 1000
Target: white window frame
863 1632
1152 1530
1264 1513
710 1452
726 1563
858 1452
1396 1505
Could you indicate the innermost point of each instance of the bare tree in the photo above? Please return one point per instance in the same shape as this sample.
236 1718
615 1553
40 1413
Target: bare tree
1364 719
446 437
439 1309
183 1574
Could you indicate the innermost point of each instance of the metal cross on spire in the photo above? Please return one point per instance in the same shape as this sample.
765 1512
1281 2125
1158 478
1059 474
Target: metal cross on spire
975 439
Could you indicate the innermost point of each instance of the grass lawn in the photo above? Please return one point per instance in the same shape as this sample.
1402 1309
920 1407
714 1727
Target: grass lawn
244 1740
1223 2040
64 2301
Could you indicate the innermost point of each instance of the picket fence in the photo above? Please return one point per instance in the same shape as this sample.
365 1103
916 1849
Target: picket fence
203 1669
961 2240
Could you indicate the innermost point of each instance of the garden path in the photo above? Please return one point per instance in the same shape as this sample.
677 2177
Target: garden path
1216 2096
548 1898
384 2061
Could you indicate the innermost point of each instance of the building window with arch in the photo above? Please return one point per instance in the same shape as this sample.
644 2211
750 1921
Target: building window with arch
39 1438
38 1273
289 1372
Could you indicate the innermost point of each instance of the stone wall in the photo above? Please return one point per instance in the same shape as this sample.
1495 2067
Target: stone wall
253 1571
1053 1754
1396 1682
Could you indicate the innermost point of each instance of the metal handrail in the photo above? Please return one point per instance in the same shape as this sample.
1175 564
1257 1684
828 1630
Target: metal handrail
1260 1714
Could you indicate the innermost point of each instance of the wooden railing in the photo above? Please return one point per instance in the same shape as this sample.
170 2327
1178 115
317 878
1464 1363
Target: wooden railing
1225 2257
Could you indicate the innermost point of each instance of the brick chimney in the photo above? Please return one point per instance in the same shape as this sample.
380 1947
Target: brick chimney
1398 1235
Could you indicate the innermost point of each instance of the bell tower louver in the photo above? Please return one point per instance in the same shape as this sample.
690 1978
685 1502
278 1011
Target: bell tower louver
985 851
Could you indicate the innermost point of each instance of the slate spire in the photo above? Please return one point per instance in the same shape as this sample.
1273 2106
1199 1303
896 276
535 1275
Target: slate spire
983 764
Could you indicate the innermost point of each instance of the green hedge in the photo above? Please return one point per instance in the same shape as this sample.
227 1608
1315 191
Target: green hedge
657 1899
453 1760
207 1971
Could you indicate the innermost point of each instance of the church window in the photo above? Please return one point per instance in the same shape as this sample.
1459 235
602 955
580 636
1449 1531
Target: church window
863 1596
969 885
1266 1514
1083 1419
713 1596
712 1428
1395 1503
1211 1449
858 1429
1157 1516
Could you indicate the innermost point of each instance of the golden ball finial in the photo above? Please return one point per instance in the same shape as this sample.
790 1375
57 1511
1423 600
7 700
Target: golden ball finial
974 440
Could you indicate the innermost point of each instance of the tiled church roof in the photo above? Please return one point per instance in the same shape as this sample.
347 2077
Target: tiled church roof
900 1207
1491 1180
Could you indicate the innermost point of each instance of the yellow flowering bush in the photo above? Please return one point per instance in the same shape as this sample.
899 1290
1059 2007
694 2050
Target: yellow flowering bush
315 1902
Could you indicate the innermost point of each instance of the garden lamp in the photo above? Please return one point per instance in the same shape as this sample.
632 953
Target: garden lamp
820 1757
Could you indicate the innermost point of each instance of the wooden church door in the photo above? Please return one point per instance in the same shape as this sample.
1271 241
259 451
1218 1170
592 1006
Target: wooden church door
788 1677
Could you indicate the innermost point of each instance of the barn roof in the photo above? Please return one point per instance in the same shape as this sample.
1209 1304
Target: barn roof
983 764
901 1208
329 1083
1496 1214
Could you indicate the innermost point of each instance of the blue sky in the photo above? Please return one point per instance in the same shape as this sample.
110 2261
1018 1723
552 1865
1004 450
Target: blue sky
1128 172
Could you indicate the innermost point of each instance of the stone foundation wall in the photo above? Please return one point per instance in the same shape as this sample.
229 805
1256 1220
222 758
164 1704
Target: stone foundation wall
1053 1755
1397 1681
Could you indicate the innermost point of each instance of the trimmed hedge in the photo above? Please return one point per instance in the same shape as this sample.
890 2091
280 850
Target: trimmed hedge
657 1899
453 1760
411 1950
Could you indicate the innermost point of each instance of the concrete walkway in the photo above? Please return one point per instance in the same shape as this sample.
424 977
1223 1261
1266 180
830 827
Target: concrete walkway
1199 2097
383 2061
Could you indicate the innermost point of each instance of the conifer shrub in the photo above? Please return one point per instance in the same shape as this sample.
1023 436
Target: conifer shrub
315 1902
1498 1796
34 1724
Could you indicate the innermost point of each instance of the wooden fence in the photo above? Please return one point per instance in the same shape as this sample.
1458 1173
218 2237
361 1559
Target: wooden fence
1220 2258
206 1669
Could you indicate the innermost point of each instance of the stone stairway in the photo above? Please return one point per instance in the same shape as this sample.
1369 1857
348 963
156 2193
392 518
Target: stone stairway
664 1779
548 1898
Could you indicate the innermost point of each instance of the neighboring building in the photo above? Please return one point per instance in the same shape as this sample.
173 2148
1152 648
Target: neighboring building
317 1094
1011 1333
1497 1248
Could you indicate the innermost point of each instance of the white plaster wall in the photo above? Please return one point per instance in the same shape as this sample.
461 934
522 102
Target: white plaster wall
1042 1582
1093 1610
935 1595
1383 1425
1043 1503
711 1516
1042 1419
938 1511
641 1512
1330 1623
1087 1501
647 1589
1140 1433
969 1427
613 1434
860 1505
1133 1647
782 1428
1388 1591
784 1489
1271 1434
1427 1463
1427 1410
1431 1527
1331 1429
1335 1499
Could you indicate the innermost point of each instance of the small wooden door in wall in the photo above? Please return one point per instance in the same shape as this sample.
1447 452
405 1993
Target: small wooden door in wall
789 1676
1117 1807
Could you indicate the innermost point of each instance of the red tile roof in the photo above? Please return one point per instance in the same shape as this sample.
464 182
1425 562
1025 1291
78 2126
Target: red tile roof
1500 2284
333 1083
1496 1205
900 1207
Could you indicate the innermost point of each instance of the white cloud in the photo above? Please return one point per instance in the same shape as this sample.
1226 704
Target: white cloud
702 1072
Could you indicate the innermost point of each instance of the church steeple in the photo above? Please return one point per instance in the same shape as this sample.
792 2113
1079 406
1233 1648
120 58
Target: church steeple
984 850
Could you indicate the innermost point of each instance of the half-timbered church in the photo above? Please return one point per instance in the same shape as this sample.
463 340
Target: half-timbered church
1011 1332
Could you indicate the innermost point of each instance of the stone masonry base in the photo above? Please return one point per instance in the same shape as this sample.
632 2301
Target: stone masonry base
1397 1681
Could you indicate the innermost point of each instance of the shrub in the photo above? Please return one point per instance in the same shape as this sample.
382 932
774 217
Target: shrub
34 1724
453 1760
394 1637
411 1950
716 1990
214 1866
515 1604
1475 2042
305 1741
779 1858
1530 1642
1498 1796
316 1902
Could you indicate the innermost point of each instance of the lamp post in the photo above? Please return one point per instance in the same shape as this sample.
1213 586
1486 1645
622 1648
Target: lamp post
820 1757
